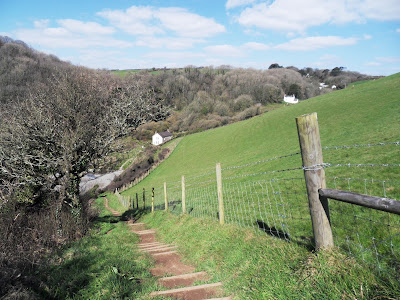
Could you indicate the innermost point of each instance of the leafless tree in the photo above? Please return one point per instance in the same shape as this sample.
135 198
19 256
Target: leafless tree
49 139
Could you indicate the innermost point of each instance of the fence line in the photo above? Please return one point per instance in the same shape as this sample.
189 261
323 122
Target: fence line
279 206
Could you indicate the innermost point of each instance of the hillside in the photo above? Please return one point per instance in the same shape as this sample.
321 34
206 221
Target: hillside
207 97
263 182
367 113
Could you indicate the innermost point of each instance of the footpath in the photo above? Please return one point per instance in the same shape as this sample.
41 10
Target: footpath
179 281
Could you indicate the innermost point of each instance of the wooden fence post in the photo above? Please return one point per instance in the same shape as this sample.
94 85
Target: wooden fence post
220 194
183 195
165 195
314 173
137 201
152 200
144 198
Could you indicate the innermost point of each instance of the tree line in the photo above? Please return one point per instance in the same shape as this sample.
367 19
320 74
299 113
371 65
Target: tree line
208 97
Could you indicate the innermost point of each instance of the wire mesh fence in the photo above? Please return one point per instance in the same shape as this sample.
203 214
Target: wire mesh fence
370 235
274 201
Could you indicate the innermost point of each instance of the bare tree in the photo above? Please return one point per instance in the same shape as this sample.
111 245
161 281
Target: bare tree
49 140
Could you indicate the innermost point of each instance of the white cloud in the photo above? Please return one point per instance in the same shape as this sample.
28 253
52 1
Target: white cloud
382 10
256 46
41 23
398 30
316 42
110 60
297 16
59 37
174 55
224 50
390 59
373 64
188 24
54 32
235 3
85 27
168 42
139 20
136 20
367 37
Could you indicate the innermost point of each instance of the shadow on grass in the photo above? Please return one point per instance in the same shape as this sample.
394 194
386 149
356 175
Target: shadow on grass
273 231
134 214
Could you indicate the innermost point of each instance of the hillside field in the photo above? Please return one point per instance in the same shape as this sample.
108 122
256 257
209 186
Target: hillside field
367 113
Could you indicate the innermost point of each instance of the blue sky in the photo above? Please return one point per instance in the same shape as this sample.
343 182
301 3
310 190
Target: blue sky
361 35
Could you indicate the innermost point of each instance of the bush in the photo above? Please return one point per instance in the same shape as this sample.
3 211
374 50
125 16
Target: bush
242 102
248 113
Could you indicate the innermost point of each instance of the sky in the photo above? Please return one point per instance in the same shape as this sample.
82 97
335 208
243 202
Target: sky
360 35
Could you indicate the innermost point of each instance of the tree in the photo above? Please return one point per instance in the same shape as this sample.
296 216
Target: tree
294 89
66 124
337 71
275 66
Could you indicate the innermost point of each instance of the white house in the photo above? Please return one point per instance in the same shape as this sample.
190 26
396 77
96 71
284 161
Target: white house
322 85
161 137
333 87
290 99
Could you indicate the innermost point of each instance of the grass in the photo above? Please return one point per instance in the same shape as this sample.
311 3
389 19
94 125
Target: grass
277 203
262 267
104 265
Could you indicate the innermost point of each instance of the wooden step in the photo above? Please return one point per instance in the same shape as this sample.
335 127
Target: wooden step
142 232
157 249
182 280
144 245
165 253
192 292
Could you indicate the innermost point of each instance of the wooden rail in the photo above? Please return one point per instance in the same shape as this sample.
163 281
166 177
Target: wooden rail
378 203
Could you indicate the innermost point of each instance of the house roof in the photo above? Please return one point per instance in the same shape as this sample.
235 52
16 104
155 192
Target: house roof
165 134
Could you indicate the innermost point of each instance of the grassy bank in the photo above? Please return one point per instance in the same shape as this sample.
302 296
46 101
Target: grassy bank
107 264
262 267
104 265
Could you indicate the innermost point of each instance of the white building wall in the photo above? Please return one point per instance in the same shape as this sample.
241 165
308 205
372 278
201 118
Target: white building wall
157 139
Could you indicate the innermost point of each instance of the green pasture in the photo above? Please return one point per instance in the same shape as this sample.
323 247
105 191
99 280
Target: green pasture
269 195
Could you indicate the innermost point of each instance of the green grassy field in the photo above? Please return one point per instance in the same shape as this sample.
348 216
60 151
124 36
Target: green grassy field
276 202
365 114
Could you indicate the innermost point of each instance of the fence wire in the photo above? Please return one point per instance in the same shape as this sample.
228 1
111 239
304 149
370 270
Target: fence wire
273 200
370 235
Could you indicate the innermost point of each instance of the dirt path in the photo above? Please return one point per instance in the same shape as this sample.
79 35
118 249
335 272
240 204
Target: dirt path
113 211
178 280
